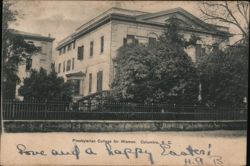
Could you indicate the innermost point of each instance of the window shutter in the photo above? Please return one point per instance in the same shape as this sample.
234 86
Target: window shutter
91 48
80 53
90 82
102 44
68 65
73 63
63 66
59 68
99 81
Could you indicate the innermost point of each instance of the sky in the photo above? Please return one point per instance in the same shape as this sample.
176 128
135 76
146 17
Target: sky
61 18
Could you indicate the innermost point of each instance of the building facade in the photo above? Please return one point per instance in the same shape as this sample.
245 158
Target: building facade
42 59
86 57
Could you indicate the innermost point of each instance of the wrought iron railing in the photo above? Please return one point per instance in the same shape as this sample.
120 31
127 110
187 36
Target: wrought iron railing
107 110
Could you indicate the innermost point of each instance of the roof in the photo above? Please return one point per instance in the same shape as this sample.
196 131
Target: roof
113 10
32 36
138 17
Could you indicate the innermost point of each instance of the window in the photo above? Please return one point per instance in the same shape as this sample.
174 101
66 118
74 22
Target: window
59 67
64 49
63 66
52 66
90 82
130 39
69 47
39 48
76 87
73 63
102 44
151 41
60 51
198 51
91 49
74 44
68 65
80 53
99 81
28 64
42 60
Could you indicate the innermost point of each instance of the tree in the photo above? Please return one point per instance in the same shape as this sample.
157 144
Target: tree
45 87
134 63
234 13
163 73
15 51
224 76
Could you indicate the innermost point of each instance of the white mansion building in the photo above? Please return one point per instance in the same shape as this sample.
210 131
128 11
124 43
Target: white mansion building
86 56
42 59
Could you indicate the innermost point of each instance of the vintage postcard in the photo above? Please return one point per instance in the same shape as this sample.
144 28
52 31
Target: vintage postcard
161 83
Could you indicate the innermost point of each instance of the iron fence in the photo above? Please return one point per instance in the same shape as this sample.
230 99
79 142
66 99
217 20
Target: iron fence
107 110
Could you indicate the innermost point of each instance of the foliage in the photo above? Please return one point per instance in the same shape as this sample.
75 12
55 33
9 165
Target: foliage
15 50
42 86
224 76
163 73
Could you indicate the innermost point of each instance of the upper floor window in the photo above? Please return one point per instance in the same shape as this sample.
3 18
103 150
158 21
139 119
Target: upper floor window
64 49
60 51
68 65
99 81
69 47
42 60
74 44
80 52
130 39
40 48
151 41
63 66
28 64
59 67
102 44
91 49
73 63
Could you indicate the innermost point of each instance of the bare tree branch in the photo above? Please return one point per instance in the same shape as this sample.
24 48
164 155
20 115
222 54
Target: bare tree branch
213 17
244 10
228 13
237 23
